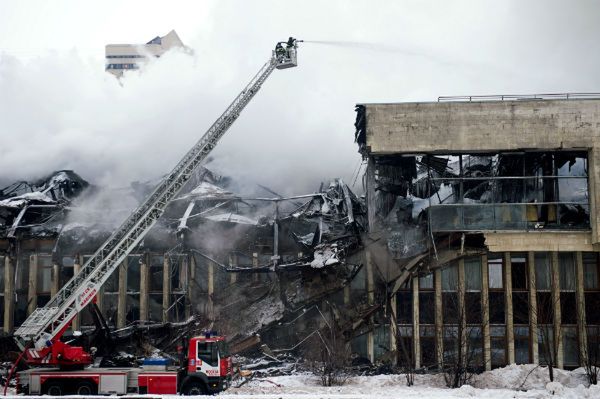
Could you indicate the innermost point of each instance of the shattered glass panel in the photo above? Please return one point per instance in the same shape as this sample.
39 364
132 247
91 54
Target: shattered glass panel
450 278
473 274
570 346
566 267
495 272
426 282
44 277
590 270
381 340
543 274
133 273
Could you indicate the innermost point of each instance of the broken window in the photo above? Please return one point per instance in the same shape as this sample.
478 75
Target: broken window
590 271
543 272
495 271
2 265
44 274
498 345
473 274
66 271
473 307
381 341
545 308
450 278
427 307
525 190
497 313
474 346
566 269
518 264
521 334
428 348
568 305
545 343
592 304
404 307
450 307
521 307
570 346
426 282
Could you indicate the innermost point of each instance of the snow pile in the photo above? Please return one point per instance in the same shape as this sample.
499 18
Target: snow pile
526 377
306 385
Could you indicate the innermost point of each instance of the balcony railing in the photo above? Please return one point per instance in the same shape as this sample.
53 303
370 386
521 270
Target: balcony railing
537 216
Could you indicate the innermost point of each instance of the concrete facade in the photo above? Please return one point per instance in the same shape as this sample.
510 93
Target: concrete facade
452 127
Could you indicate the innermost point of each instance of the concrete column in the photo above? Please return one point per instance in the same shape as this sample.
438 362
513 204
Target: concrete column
558 344
439 319
581 322
594 191
9 295
485 316
233 262
76 324
55 286
32 286
462 308
255 276
394 329
508 310
371 194
144 287
192 285
415 323
184 283
533 329
166 299
211 290
347 295
370 300
122 295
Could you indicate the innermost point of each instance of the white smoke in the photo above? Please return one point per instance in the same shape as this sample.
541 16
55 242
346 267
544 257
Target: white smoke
62 111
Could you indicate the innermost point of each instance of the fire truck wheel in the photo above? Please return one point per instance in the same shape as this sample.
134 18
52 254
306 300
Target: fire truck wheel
195 388
53 389
85 388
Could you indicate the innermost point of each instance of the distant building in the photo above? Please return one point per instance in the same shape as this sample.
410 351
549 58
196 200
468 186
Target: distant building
121 57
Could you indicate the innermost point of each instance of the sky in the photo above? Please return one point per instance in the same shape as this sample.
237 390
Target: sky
60 110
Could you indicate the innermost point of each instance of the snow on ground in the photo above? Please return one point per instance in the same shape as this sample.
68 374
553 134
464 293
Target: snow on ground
507 382
504 383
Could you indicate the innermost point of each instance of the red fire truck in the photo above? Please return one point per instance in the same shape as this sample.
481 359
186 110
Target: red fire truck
207 369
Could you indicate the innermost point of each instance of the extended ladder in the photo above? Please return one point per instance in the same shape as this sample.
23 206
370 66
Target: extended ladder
49 322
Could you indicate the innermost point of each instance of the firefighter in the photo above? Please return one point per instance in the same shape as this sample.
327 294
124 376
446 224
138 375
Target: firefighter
279 50
290 43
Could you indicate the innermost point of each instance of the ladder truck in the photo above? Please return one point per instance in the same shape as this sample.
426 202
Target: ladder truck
58 368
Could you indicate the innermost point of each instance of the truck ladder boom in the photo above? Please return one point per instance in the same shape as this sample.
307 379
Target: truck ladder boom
49 322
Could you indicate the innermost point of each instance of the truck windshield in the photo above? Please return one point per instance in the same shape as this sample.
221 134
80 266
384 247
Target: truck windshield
208 353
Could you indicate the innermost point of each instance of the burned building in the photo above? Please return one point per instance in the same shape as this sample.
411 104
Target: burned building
486 207
247 262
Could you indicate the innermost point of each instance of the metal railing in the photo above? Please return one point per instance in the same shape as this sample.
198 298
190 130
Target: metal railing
521 97
508 216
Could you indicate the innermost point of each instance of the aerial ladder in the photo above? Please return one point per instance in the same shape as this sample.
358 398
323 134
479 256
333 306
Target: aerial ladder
39 336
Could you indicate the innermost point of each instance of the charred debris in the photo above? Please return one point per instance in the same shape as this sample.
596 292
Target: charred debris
259 267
